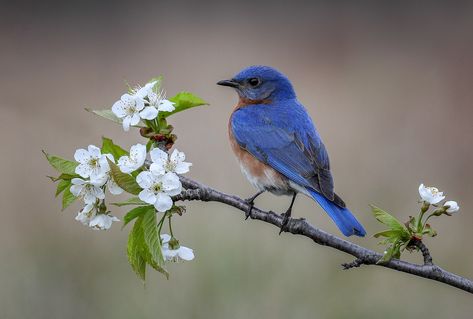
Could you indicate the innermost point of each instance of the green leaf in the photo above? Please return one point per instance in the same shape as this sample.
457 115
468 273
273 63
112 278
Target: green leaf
151 236
108 147
125 181
183 101
135 213
61 165
62 185
63 177
106 114
67 198
138 250
387 219
388 233
428 230
130 202
135 249
393 251
149 145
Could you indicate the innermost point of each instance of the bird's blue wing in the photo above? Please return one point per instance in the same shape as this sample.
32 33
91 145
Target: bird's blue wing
285 138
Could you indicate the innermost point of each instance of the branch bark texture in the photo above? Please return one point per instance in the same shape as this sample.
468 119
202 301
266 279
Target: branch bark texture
363 256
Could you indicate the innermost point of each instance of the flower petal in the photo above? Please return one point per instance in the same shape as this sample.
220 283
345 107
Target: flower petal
171 184
177 156
169 254
78 181
186 253
163 202
128 100
145 179
76 190
452 206
139 103
157 169
182 167
83 170
166 106
149 113
138 154
118 108
125 164
82 156
165 238
147 196
146 90
135 119
94 151
437 198
98 179
113 187
102 222
158 156
126 123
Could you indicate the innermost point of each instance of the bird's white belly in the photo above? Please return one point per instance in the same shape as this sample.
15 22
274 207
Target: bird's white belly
266 178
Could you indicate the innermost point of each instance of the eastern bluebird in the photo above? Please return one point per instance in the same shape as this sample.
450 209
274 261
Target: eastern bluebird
278 147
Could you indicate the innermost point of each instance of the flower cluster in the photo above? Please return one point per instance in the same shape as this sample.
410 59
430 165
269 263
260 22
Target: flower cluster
143 103
151 183
95 172
432 196
161 181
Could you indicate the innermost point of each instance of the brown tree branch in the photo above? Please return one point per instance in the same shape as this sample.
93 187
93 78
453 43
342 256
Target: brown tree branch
197 191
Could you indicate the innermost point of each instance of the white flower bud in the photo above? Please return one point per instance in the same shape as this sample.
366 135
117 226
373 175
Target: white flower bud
452 206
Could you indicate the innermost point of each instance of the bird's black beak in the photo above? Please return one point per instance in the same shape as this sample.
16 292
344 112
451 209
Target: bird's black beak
230 83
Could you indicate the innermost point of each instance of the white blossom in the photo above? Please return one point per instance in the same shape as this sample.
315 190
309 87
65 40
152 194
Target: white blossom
85 214
452 206
162 163
88 190
102 221
430 195
157 103
135 160
128 109
107 179
175 253
92 163
158 189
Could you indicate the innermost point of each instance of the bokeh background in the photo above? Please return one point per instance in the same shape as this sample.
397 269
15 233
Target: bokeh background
389 87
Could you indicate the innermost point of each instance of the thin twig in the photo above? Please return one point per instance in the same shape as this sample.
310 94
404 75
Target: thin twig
425 252
197 191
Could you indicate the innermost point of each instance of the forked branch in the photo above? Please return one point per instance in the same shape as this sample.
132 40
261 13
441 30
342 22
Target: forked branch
197 191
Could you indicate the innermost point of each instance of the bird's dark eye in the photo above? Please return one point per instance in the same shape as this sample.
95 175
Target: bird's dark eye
254 82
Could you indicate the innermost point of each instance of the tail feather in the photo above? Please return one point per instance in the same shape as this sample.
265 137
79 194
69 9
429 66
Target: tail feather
343 218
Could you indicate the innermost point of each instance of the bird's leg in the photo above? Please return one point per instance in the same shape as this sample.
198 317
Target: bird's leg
251 201
287 215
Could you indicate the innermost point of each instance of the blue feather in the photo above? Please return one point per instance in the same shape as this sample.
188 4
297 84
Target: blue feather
342 217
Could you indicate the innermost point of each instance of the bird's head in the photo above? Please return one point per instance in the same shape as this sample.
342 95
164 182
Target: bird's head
257 84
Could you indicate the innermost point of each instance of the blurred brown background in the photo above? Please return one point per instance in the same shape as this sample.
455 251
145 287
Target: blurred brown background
389 87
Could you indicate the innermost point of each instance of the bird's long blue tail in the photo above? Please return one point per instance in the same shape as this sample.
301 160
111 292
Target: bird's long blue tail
343 218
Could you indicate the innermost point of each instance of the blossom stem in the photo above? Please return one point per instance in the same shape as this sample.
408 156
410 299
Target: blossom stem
423 210
425 222
161 222
170 226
